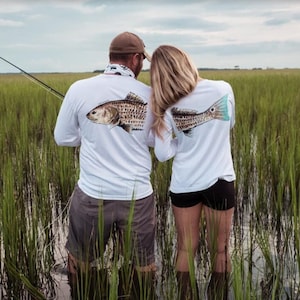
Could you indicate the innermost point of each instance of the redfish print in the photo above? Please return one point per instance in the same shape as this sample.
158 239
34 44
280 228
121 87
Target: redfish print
186 119
129 113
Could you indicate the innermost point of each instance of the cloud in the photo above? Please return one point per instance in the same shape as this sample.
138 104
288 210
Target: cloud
82 7
277 21
278 17
75 35
251 48
9 7
10 23
183 22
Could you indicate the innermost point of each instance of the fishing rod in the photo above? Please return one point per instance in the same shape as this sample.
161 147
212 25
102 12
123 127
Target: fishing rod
38 81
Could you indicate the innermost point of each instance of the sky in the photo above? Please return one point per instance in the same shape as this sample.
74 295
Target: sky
74 35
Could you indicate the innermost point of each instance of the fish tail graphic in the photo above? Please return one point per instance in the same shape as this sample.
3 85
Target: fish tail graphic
219 110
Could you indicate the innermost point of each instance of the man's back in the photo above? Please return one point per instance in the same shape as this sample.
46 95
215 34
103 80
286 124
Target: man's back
111 111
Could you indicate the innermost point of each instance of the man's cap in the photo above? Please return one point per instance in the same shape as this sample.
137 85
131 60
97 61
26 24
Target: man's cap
126 43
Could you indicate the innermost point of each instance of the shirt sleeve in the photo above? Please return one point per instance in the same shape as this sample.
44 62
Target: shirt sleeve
149 135
66 131
166 147
232 108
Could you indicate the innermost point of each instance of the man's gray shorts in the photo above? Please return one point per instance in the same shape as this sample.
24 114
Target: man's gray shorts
92 221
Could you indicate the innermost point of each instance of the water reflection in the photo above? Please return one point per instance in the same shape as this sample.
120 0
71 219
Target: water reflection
60 277
253 251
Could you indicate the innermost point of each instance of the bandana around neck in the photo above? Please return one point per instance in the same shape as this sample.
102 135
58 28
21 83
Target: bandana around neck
118 70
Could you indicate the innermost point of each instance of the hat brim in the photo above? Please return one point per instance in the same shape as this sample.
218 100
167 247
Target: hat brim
148 57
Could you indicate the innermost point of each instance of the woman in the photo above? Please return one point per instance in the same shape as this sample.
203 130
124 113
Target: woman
192 121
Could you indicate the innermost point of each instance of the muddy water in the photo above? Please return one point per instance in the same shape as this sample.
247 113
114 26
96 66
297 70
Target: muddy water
61 282
258 263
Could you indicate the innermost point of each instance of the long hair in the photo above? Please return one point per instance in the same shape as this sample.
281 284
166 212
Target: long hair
173 76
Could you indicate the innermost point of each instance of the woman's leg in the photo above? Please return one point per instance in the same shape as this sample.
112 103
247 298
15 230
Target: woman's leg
187 221
219 223
187 225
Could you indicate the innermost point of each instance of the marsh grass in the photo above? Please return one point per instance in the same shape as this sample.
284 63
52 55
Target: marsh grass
37 178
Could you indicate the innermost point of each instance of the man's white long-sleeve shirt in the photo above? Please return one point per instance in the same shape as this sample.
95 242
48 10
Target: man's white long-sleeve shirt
114 164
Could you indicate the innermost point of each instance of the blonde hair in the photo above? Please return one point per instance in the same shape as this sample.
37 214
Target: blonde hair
173 76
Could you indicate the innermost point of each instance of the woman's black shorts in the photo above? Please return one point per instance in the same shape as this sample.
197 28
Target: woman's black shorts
220 196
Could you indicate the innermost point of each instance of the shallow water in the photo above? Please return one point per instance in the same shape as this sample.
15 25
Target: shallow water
250 249
260 264
60 277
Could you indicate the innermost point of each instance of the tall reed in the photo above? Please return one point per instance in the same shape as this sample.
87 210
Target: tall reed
37 179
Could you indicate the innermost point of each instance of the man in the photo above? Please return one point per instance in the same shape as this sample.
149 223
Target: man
108 116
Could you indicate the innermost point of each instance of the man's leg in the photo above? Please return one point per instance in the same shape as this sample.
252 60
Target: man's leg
87 282
138 241
77 270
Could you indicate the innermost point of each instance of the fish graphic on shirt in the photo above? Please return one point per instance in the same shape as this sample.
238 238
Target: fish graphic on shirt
128 113
186 119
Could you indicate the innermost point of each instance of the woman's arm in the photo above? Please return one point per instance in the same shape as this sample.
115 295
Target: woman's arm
166 147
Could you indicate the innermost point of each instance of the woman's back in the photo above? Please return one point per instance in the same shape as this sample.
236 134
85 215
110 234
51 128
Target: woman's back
201 122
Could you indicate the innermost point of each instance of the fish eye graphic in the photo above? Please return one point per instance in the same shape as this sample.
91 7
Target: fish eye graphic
93 112
212 109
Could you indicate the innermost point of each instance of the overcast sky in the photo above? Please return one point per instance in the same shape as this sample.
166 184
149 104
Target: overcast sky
74 36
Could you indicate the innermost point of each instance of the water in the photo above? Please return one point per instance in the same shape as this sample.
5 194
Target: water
266 256
243 240
60 277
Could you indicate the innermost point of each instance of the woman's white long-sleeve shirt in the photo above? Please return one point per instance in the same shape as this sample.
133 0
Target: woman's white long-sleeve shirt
203 155
114 164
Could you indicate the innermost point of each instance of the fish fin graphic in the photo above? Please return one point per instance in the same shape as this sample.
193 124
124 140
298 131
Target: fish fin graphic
116 119
188 132
219 110
126 127
133 97
113 125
